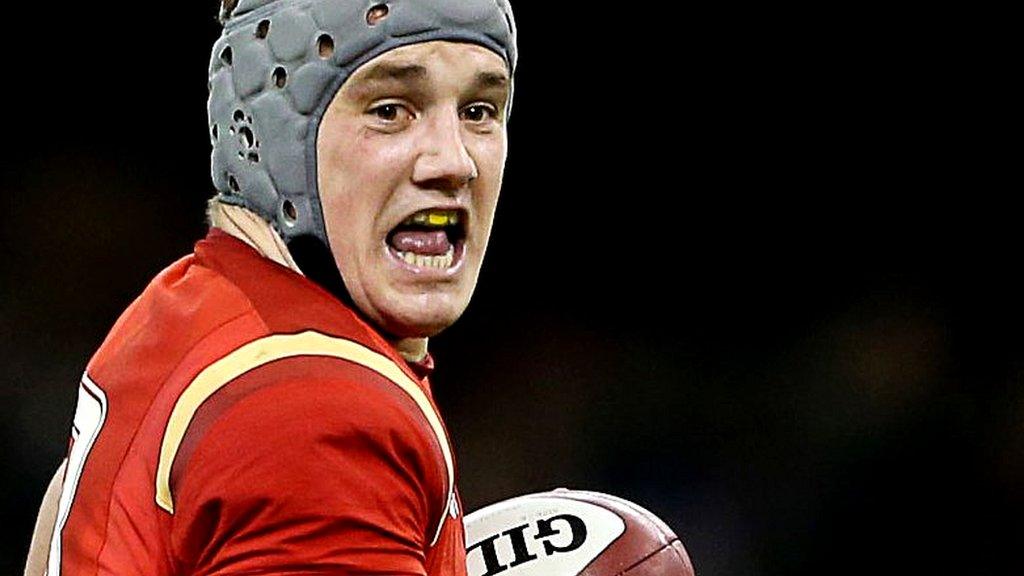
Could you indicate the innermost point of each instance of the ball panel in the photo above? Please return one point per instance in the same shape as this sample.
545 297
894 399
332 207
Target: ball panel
669 561
646 535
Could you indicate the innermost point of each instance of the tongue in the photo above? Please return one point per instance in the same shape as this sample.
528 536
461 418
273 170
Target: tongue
433 243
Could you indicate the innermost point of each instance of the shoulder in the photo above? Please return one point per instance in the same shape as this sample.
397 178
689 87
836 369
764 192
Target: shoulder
306 456
305 394
303 445
297 383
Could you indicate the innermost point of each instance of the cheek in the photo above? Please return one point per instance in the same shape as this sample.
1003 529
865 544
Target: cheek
376 157
350 154
356 173
489 151
489 155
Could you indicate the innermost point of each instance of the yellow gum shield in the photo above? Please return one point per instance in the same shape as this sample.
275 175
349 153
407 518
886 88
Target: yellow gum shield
438 218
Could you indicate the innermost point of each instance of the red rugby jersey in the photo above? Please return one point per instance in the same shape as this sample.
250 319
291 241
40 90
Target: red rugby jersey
239 419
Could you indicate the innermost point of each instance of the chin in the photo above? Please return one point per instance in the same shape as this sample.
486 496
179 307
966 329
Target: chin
419 319
406 327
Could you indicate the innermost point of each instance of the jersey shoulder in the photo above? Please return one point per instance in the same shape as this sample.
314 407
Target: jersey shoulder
289 396
305 453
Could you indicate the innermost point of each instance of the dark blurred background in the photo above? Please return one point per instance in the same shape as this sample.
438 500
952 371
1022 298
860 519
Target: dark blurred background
753 270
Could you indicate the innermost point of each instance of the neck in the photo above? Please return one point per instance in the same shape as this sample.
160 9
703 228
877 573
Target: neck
412 349
253 230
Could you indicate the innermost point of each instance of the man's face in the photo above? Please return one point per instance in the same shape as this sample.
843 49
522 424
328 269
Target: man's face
410 157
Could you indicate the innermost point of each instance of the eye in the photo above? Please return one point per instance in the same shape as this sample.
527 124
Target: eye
391 114
479 113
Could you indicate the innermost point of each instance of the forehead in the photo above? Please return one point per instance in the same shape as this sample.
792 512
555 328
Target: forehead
457 64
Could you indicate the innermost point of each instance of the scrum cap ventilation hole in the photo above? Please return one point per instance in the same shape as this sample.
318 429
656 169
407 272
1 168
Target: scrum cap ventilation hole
280 77
239 116
253 157
226 56
233 183
325 45
215 132
290 213
262 29
376 13
247 137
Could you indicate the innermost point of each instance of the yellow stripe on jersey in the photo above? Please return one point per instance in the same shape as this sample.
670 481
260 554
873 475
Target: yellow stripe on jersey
278 347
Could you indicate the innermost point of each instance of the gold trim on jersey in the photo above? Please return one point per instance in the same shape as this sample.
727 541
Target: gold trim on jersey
277 347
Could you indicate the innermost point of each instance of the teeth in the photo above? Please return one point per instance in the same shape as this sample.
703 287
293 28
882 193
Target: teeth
423 261
434 218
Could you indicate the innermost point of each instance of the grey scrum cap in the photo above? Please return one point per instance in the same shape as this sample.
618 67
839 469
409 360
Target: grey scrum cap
279 63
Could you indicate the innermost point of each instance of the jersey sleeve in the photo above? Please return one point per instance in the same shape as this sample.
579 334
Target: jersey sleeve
306 465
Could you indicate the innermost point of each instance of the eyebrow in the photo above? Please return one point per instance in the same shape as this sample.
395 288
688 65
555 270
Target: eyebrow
490 80
417 72
395 72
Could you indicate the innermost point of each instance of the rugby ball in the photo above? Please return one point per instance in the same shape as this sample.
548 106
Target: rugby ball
571 533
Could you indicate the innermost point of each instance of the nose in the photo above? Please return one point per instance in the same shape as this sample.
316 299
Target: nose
444 163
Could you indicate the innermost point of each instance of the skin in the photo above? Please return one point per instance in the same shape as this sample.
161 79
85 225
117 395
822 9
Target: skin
421 126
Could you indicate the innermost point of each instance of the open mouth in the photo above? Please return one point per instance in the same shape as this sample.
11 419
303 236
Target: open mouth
431 238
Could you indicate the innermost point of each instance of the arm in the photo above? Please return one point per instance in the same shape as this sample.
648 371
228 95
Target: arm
40 549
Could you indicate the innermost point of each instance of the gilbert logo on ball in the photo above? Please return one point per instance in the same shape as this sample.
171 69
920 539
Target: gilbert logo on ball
516 533
571 533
